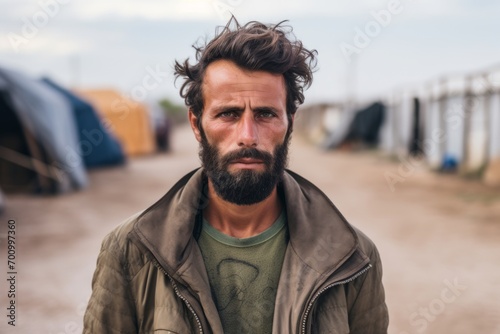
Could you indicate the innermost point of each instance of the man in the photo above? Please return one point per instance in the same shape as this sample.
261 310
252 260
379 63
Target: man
240 245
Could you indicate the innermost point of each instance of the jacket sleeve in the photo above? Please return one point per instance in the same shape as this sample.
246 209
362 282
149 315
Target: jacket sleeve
111 308
368 312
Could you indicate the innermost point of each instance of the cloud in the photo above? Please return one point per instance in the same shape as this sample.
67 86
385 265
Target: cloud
148 9
178 10
47 44
203 10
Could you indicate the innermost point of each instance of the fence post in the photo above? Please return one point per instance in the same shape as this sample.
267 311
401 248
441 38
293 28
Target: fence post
441 126
468 106
488 96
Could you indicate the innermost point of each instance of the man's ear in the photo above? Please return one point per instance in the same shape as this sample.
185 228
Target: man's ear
193 121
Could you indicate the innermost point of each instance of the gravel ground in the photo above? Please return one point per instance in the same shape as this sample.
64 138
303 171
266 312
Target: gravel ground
439 237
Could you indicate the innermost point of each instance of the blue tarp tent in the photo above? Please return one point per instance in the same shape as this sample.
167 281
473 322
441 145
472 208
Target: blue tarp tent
97 146
49 134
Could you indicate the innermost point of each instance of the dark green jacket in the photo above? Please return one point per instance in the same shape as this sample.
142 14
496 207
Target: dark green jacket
151 278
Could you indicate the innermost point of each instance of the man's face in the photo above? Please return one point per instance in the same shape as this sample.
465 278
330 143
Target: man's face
244 131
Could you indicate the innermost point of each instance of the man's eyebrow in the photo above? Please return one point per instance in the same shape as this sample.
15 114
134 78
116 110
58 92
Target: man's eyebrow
223 109
265 109
238 109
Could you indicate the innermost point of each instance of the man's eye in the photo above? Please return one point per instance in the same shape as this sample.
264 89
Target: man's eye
266 114
227 114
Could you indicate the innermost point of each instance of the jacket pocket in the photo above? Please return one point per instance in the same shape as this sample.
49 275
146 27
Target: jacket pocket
331 320
168 320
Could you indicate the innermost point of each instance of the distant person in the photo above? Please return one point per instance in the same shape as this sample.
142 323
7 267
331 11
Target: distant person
240 245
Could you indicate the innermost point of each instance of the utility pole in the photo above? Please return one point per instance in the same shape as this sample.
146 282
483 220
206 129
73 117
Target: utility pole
352 82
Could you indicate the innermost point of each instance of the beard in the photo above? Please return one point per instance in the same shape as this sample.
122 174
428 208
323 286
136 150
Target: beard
244 187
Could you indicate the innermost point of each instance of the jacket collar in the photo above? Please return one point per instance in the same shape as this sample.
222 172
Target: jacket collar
166 228
319 234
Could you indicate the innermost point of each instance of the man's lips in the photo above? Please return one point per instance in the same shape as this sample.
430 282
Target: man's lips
247 161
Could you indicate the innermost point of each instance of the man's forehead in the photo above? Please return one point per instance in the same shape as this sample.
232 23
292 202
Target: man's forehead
226 72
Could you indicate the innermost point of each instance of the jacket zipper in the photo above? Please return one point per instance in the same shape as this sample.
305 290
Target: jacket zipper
311 303
176 289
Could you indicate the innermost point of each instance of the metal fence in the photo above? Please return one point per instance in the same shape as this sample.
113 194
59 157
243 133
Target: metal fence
456 118
452 121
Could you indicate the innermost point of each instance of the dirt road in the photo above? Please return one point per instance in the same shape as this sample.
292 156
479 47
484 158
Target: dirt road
439 237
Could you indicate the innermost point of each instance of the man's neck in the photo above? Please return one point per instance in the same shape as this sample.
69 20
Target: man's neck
241 221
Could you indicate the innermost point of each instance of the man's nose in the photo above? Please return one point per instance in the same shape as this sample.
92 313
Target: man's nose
247 130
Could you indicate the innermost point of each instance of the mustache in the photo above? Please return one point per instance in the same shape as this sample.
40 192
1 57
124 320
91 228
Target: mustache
249 152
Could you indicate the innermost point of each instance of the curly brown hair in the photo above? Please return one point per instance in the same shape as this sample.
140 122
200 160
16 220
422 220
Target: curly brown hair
255 47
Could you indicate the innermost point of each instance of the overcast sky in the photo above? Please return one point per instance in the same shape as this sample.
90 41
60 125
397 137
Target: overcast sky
116 43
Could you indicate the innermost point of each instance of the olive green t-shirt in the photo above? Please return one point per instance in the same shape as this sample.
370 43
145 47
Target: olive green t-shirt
244 275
